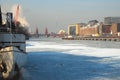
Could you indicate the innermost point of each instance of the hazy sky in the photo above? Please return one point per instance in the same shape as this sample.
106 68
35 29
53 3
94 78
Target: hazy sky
58 14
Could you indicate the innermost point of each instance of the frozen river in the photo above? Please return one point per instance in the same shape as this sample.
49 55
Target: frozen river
55 59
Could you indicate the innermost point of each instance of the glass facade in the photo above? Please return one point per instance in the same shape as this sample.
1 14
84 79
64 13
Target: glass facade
73 30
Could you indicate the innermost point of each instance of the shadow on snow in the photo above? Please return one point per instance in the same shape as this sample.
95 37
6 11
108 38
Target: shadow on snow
61 66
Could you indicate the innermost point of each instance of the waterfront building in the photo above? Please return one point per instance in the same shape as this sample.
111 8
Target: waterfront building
115 29
81 29
110 27
104 30
61 33
74 29
89 30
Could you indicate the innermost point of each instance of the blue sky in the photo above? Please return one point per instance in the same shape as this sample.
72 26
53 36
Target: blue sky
58 14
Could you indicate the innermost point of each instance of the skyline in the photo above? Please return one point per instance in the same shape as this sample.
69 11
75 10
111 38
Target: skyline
58 14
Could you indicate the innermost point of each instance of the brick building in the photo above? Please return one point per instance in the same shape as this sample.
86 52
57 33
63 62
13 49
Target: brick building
115 29
111 27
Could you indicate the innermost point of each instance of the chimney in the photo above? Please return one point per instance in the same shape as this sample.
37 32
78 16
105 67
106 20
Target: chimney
0 16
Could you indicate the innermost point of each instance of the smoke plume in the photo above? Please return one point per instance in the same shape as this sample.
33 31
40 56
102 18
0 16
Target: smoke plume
21 17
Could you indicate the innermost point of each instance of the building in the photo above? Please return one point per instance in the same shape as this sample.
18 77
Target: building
74 29
115 29
61 33
89 30
110 27
109 30
110 20
81 29
104 29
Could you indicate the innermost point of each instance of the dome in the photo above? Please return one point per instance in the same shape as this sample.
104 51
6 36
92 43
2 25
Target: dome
62 32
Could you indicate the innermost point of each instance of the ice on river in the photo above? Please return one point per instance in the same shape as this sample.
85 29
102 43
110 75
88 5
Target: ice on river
72 60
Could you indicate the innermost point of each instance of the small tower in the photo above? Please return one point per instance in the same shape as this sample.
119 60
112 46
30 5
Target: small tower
36 32
46 32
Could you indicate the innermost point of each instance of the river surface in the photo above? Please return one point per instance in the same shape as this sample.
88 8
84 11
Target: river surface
56 59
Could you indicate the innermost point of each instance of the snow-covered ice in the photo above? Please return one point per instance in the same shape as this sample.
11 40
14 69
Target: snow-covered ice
73 60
